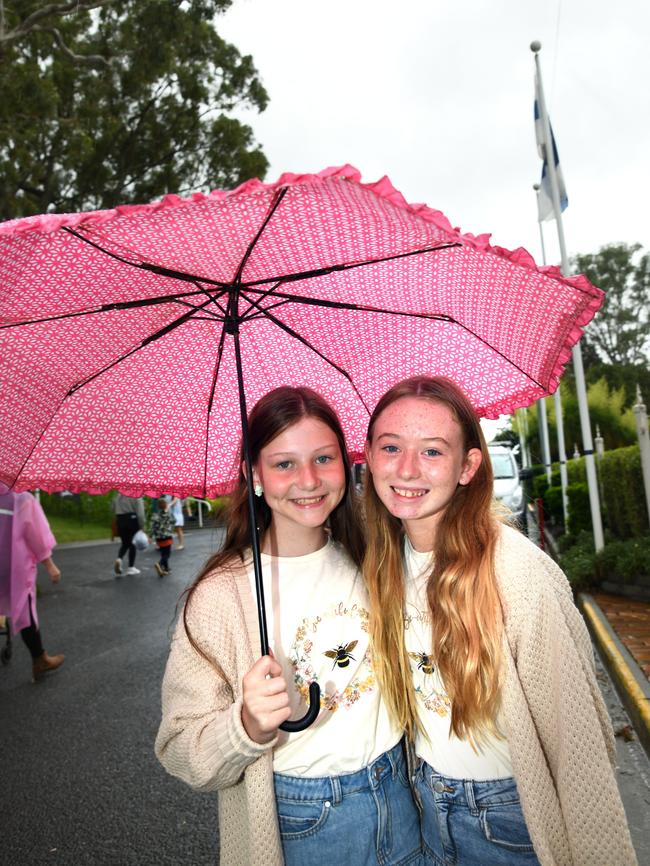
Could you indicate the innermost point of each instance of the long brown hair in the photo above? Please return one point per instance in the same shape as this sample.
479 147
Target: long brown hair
272 415
465 607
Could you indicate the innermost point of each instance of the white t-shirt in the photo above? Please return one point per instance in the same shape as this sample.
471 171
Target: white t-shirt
443 751
317 617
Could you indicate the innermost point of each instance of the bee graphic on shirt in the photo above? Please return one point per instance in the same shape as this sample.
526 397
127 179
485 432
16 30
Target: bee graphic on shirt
424 662
342 654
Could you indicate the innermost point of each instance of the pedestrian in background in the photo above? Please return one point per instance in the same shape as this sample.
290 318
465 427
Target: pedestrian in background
482 655
176 508
162 532
129 512
25 540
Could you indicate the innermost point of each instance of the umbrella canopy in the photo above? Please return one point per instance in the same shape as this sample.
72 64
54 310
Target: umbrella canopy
117 357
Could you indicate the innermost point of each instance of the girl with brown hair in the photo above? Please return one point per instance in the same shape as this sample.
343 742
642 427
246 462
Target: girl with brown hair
481 654
339 790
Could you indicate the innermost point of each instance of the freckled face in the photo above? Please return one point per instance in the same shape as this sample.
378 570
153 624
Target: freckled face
302 474
417 460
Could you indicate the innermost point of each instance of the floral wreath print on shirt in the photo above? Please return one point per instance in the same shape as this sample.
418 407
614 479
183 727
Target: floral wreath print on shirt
301 657
433 700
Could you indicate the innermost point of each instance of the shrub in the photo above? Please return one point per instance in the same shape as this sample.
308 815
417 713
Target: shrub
579 508
540 486
624 560
579 563
553 507
576 471
623 492
84 507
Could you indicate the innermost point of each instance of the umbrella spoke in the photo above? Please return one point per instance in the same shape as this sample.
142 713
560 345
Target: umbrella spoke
368 309
259 315
501 355
347 266
160 270
121 305
150 339
42 433
306 343
261 297
218 316
342 305
274 206
215 377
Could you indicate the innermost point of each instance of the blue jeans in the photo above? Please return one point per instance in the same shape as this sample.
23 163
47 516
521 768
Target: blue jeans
367 818
468 823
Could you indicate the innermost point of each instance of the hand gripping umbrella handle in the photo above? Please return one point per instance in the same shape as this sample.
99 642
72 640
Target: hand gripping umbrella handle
293 726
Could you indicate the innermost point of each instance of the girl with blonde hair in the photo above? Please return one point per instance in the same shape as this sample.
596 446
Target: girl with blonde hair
481 654
339 790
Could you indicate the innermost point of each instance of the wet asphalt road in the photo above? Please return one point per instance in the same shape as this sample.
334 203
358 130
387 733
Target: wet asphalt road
80 783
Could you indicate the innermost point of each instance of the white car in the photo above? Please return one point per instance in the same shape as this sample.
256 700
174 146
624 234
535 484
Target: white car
507 486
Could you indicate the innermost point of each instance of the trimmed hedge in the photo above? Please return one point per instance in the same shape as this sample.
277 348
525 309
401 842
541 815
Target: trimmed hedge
623 561
579 508
619 561
553 507
84 507
623 505
623 492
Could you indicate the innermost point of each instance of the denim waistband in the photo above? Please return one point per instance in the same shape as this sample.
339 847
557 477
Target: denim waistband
333 788
471 792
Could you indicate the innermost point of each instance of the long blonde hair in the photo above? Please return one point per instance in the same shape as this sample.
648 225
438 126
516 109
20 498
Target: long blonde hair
466 616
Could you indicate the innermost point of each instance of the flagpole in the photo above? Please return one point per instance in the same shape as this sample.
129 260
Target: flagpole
587 441
539 223
557 399
542 420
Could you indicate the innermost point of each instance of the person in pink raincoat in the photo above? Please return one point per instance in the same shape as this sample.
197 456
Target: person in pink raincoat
25 540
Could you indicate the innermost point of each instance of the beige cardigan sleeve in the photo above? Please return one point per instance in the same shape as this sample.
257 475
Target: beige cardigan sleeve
555 669
201 739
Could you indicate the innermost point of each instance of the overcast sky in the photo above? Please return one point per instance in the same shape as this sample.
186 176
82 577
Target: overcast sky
439 96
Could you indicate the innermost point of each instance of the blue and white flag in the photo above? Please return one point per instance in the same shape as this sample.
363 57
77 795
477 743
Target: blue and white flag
545 196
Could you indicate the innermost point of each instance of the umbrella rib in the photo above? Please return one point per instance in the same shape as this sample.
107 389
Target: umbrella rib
306 343
37 442
150 339
146 266
215 376
430 316
295 277
258 314
118 305
346 266
496 351
261 297
345 305
280 194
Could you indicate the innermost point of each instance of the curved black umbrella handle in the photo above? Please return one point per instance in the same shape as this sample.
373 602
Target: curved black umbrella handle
293 726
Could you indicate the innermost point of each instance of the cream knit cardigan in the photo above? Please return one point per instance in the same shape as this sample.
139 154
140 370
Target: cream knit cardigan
557 726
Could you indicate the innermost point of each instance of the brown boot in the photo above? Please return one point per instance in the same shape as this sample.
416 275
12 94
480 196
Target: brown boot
44 664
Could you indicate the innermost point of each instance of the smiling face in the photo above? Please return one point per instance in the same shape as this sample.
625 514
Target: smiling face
303 478
417 460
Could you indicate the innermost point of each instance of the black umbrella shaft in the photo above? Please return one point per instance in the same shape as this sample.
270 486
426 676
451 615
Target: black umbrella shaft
255 538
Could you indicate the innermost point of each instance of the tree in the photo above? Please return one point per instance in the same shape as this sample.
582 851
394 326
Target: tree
111 101
607 410
620 332
625 376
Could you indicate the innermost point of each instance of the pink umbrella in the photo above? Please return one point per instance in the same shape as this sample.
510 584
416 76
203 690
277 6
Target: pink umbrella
120 330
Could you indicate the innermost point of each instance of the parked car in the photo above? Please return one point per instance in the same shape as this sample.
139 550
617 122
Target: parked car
507 485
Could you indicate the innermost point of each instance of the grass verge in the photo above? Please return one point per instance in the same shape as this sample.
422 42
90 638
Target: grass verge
67 529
